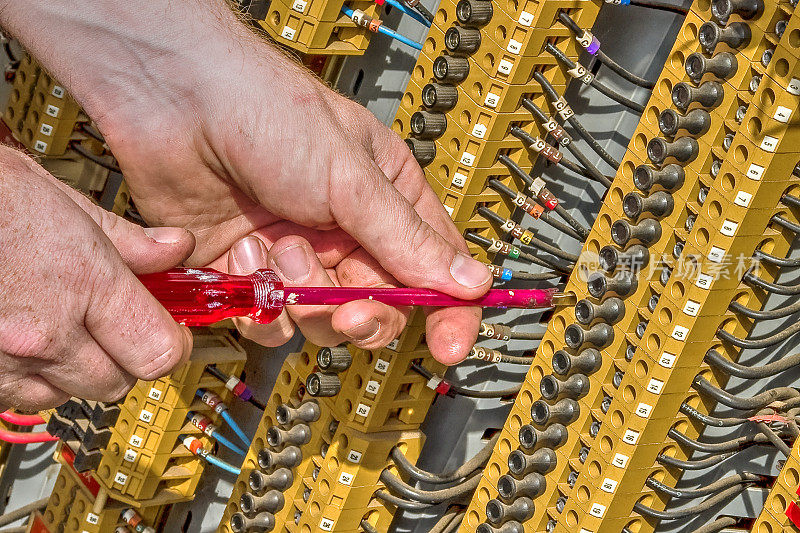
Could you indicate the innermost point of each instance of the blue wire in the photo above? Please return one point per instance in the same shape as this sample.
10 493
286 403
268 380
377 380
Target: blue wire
228 444
223 465
394 35
386 31
408 11
235 427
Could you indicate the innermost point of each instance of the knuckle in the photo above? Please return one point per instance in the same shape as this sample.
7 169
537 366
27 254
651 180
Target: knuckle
26 341
166 355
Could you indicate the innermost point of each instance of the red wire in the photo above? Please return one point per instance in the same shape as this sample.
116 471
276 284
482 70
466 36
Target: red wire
21 420
25 438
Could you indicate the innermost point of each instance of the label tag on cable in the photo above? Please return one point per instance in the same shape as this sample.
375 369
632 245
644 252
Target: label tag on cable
589 42
563 108
581 73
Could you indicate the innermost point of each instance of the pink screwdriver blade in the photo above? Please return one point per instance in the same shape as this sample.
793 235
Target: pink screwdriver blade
521 298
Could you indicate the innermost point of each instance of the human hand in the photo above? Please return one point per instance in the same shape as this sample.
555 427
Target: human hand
74 320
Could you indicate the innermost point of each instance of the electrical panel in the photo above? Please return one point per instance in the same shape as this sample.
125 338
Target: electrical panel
660 394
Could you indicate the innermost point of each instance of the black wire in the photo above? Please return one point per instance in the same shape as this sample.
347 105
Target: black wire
463 391
710 420
422 10
713 488
603 58
217 373
490 215
774 288
572 221
758 401
785 224
545 217
693 464
661 6
397 485
83 152
367 527
550 264
791 201
485 243
575 123
595 83
525 137
777 261
542 118
717 447
680 514
716 360
763 342
781 312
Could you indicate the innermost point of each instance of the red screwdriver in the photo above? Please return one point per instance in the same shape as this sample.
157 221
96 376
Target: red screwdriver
203 296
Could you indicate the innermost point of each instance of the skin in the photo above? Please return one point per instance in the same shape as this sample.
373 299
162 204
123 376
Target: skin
218 132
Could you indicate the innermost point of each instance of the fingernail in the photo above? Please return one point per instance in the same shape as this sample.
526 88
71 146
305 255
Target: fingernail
165 235
249 254
293 263
469 272
364 331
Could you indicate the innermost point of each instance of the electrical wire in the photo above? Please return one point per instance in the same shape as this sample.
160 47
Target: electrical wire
759 401
463 391
572 221
693 464
719 447
712 488
534 242
774 439
783 262
594 82
774 288
226 416
504 332
578 32
530 141
717 525
785 224
12 516
790 200
454 524
686 512
452 476
397 485
486 244
444 522
573 121
566 141
219 463
710 420
94 158
719 362
363 20
772 314
21 420
401 503
762 342
367 527
16 437
655 4
422 10
239 388
410 12
544 217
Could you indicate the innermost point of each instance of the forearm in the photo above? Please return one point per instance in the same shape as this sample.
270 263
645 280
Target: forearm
103 50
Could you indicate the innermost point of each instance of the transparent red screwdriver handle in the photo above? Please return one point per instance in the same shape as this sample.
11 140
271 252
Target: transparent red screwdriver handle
203 296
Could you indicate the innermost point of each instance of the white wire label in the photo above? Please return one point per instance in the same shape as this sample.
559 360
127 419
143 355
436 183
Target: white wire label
608 485
755 172
782 114
346 479
620 460
381 366
643 410
492 100
515 47
130 455
729 227
120 478
769 144
793 87
467 159
299 6
58 91
680 333
372 387
136 441
691 308
525 18
46 129
563 108
630 437
667 360
354 456
362 410
597 510
154 394
326 524
459 180
92 518
704 281
743 198
580 73
53 111
504 67
655 386
146 416
479 131
288 33
40 146
716 254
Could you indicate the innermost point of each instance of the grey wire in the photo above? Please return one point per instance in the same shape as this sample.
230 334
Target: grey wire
758 401
718 361
713 488
444 522
367 527
406 491
780 312
710 420
763 342
774 439
717 447
401 503
693 464
418 474
717 525
454 525
678 514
